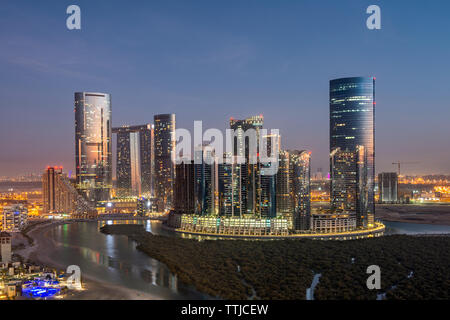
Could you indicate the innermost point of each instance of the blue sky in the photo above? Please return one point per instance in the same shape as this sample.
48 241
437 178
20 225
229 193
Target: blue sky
210 60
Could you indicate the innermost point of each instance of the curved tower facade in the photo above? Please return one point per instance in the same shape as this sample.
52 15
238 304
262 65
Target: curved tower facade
93 145
352 147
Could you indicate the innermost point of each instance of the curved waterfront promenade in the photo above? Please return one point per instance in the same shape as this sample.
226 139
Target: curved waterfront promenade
377 231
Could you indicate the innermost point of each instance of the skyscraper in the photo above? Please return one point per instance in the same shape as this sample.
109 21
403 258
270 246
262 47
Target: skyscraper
165 144
206 180
135 160
93 145
184 188
230 190
251 177
49 188
299 186
388 187
352 147
284 203
271 143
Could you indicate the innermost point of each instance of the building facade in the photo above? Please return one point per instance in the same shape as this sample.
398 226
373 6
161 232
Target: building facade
185 196
246 145
352 147
165 143
284 202
230 188
5 247
388 187
299 187
206 180
270 148
93 145
328 223
49 189
135 160
60 195
14 218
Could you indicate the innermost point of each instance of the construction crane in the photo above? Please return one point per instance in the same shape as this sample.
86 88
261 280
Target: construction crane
398 163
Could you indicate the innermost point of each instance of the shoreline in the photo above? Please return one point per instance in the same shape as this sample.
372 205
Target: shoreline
203 265
376 231
414 221
93 288
432 214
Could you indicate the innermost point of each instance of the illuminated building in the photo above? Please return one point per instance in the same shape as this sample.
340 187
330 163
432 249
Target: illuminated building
196 184
14 217
49 188
225 188
230 188
233 225
123 205
251 177
352 154
184 189
61 196
145 206
135 160
206 180
268 204
327 223
284 202
299 187
343 177
164 159
5 247
93 145
388 187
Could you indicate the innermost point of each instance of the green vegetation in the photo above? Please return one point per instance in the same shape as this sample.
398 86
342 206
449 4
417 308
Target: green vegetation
284 269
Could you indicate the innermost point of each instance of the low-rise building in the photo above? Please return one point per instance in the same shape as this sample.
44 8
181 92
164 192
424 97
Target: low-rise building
5 248
333 223
14 217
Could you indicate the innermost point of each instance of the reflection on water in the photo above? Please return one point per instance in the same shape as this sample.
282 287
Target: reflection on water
414 228
115 259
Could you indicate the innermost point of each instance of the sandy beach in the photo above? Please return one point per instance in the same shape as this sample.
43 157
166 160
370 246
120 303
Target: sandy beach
93 289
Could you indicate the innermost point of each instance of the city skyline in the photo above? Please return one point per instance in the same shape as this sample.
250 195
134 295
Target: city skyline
210 152
265 69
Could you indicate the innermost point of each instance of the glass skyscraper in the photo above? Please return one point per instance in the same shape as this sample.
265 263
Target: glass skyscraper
206 180
134 170
93 145
284 203
299 187
352 147
251 177
165 143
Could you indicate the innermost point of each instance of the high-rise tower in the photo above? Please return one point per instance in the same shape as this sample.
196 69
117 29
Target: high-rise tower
93 145
299 187
135 159
352 147
165 143
245 147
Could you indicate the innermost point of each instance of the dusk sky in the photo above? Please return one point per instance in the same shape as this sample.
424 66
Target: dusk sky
212 60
